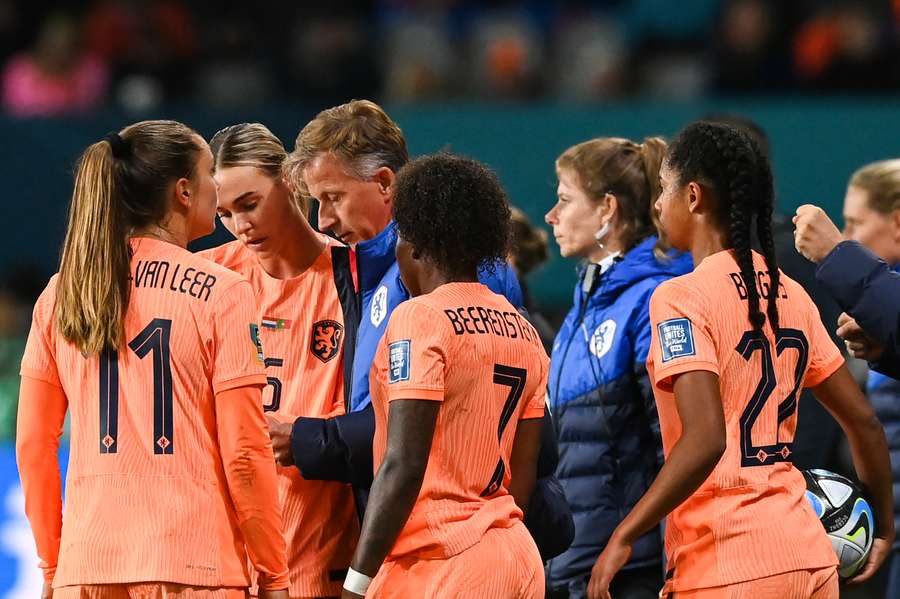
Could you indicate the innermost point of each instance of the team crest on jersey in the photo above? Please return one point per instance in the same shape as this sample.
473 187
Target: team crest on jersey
378 308
676 338
254 336
602 339
326 339
398 361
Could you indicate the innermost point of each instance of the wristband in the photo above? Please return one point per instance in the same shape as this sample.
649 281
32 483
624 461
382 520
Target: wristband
357 582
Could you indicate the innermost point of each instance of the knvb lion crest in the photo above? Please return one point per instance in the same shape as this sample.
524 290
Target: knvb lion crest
326 339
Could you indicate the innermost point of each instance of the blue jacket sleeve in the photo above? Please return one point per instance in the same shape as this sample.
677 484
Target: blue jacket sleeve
549 517
337 449
866 289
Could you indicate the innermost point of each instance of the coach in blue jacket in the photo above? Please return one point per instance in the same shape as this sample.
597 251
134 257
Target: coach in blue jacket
864 286
600 394
347 158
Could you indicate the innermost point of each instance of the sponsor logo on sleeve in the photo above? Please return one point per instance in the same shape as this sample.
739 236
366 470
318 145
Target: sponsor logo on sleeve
398 361
676 338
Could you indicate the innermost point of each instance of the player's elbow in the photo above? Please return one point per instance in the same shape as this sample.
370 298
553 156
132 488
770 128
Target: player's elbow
403 473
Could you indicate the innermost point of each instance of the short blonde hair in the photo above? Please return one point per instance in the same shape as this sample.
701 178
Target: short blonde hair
360 133
881 181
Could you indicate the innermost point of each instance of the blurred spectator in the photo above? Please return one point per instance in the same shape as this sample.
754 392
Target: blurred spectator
57 76
505 57
589 58
749 46
234 75
847 48
149 44
418 61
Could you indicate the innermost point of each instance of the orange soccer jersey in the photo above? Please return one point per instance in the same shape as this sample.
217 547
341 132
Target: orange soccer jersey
468 348
148 497
301 327
750 518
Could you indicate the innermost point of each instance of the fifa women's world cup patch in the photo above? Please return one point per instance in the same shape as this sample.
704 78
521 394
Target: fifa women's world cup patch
398 361
676 338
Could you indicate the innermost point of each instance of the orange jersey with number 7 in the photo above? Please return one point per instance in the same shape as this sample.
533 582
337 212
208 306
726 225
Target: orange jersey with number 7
466 347
750 518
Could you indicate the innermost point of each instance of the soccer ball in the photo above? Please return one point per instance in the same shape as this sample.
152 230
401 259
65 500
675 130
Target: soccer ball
846 515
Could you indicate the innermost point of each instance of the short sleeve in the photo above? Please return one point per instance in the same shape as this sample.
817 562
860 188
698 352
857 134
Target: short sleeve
416 343
538 401
824 356
39 359
237 352
681 334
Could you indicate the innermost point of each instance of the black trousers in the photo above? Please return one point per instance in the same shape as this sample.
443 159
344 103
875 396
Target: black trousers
637 583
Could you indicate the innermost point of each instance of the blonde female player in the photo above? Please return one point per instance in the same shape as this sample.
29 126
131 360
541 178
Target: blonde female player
170 482
304 285
726 376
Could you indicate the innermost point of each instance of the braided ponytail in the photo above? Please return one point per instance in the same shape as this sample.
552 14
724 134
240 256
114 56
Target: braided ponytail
730 162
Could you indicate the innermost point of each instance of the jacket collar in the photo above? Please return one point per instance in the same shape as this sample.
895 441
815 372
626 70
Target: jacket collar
376 256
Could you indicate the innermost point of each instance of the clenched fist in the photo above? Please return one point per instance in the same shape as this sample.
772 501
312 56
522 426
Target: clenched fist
814 235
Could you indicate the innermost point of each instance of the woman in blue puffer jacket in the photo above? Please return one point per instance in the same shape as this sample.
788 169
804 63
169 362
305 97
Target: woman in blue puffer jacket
600 395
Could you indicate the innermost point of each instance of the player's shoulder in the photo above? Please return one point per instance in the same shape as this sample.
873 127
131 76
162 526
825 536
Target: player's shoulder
233 256
46 301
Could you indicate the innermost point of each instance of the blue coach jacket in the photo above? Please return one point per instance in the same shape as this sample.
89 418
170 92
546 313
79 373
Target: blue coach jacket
866 289
603 407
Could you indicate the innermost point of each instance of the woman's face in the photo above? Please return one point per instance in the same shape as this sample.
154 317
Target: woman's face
575 218
410 267
877 231
672 207
254 208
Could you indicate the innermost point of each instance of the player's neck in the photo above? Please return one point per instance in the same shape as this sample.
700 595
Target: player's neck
170 232
706 243
299 248
432 278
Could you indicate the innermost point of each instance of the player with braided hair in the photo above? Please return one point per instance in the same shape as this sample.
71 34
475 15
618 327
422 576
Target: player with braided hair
726 374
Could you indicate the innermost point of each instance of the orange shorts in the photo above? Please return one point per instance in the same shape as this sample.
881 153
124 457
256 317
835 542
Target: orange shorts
802 584
148 590
505 564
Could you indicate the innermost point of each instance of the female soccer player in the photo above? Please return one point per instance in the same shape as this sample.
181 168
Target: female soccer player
458 391
726 374
303 283
171 481
600 392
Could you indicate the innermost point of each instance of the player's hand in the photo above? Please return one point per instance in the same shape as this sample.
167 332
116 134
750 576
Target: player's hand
345 594
814 234
859 344
280 594
280 433
881 549
614 556
47 591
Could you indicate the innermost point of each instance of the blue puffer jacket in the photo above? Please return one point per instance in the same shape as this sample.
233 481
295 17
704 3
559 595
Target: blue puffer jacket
603 408
884 395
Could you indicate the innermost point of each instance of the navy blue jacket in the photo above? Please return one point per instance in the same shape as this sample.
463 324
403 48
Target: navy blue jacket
884 395
866 289
603 408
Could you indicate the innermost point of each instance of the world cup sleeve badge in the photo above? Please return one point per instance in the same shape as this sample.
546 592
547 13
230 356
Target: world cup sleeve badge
676 338
398 361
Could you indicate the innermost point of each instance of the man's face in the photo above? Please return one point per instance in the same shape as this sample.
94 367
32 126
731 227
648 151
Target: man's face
352 209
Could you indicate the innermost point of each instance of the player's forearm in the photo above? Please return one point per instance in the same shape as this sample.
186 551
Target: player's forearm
390 503
688 465
871 458
249 467
42 410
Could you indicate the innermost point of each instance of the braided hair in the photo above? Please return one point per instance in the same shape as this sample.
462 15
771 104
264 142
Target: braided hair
731 163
